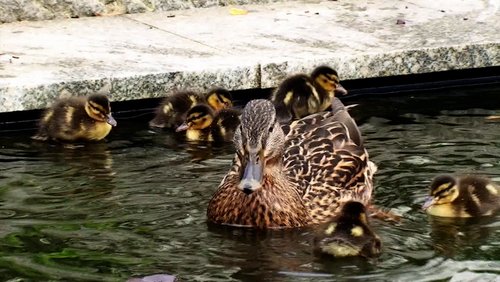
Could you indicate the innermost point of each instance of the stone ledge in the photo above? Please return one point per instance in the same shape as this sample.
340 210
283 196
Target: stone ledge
152 54
37 10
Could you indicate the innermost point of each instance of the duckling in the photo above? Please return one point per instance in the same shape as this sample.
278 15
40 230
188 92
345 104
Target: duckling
463 196
173 109
291 176
219 98
76 119
202 124
348 234
301 95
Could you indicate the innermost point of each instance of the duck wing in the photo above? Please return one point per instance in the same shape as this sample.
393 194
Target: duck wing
325 157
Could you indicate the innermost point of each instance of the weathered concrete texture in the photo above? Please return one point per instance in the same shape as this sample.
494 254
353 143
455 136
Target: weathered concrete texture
31 10
150 55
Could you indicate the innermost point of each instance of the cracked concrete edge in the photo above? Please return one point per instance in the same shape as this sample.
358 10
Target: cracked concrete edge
398 62
21 98
260 75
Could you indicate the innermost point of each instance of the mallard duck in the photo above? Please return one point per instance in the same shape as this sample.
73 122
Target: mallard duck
203 124
301 95
173 109
77 119
463 196
348 234
291 176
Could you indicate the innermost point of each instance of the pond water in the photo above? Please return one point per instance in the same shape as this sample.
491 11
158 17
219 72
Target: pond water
135 204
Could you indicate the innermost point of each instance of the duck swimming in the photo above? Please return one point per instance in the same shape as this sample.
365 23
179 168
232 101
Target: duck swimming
348 234
77 119
293 176
301 94
173 109
203 124
462 196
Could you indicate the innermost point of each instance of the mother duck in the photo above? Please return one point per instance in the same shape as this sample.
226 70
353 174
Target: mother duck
295 175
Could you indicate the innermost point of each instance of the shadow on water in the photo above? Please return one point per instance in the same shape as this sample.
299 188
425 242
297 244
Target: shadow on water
135 205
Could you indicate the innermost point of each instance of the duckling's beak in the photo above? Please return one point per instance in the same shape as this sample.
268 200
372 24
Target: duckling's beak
182 127
429 201
252 175
111 120
340 90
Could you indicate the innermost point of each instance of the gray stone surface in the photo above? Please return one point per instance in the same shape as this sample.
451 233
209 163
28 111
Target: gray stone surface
32 10
152 54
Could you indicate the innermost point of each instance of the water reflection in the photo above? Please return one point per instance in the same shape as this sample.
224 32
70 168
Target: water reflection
135 205
462 238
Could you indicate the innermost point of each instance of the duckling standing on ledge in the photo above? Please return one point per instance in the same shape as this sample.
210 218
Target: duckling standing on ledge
173 109
77 118
348 234
464 196
301 95
293 175
202 124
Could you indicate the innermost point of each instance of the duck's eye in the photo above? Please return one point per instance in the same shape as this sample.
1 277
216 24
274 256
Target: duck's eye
271 128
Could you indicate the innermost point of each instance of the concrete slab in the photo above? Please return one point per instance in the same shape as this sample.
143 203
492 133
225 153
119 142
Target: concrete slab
151 54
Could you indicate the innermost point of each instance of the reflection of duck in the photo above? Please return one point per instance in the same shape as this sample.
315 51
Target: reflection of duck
296 179
173 109
77 119
91 159
464 196
349 234
301 95
202 124
461 236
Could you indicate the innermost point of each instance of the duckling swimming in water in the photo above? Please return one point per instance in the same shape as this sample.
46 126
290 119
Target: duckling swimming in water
173 109
301 95
77 119
202 124
348 234
463 196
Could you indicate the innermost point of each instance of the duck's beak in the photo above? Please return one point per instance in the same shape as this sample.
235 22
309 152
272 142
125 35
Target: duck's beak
111 120
252 174
429 201
340 90
182 127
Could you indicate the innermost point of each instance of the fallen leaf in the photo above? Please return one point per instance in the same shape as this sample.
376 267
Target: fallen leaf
237 11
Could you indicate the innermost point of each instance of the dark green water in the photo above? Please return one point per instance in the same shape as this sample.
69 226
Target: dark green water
135 205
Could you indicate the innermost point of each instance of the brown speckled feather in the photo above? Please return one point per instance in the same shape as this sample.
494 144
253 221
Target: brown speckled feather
327 165
313 168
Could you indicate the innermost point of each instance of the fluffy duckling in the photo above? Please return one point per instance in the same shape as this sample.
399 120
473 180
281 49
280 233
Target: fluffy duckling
301 95
173 109
202 124
219 99
77 119
348 234
464 196
291 176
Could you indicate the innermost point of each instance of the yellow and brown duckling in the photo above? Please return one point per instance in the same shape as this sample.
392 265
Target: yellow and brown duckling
463 196
77 119
173 109
348 234
291 176
203 124
301 95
